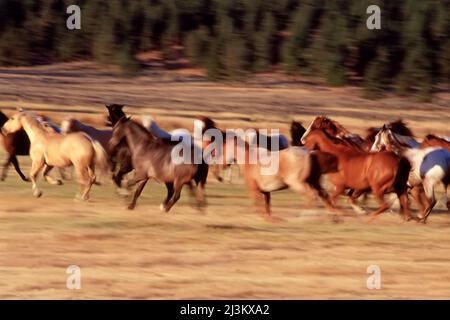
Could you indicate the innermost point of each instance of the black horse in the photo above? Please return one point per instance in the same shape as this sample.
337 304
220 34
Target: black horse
151 158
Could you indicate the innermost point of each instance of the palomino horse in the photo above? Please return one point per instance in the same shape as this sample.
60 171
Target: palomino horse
430 166
334 129
18 144
152 159
381 172
296 168
435 141
48 150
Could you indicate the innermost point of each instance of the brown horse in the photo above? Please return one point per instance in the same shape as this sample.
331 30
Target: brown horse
296 169
381 172
48 150
435 141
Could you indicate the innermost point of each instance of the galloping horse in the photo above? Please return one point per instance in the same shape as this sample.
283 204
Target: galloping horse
429 166
334 129
152 159
122 156
381 172
48 150
298 169
435 141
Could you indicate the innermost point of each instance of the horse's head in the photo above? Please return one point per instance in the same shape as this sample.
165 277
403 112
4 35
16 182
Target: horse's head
321 122
14 123
115 113
118 132
312 140
384 140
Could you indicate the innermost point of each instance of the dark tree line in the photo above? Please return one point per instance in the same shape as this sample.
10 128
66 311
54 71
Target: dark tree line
233 38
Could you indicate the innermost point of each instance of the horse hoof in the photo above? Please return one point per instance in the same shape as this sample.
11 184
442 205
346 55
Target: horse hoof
123 192
59 182
37 193
131 207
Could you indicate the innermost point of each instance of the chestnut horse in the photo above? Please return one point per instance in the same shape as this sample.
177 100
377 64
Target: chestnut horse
50 149
380 172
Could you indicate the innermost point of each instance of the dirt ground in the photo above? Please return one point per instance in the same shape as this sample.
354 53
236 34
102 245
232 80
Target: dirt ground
228 251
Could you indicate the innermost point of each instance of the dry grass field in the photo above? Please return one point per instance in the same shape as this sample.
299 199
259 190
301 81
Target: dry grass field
228 251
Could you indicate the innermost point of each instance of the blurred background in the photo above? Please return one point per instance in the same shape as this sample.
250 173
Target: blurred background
325 40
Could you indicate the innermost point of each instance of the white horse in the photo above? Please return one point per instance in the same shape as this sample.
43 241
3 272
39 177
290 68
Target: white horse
430 166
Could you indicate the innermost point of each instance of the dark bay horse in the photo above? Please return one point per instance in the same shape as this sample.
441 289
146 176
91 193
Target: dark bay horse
152 159
120 157
15 144
380 172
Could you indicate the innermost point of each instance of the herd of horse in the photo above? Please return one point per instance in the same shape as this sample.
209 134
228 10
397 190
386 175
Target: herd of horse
387 160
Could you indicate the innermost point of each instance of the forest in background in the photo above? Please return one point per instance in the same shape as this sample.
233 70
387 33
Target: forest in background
232 39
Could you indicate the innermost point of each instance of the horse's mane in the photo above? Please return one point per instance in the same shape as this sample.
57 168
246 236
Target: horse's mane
336 125
336 140
400 128
371 133
434 137
297 131
208 122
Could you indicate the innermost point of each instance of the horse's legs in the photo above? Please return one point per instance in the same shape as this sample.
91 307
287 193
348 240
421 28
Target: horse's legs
420 198
5 168
169 186
36 167
49 179
176 196
353 196
267 202
137 193
446 193
85 182
379 195
404 204
428 185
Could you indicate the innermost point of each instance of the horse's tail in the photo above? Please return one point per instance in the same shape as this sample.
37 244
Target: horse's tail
102 164
402 176
297 132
